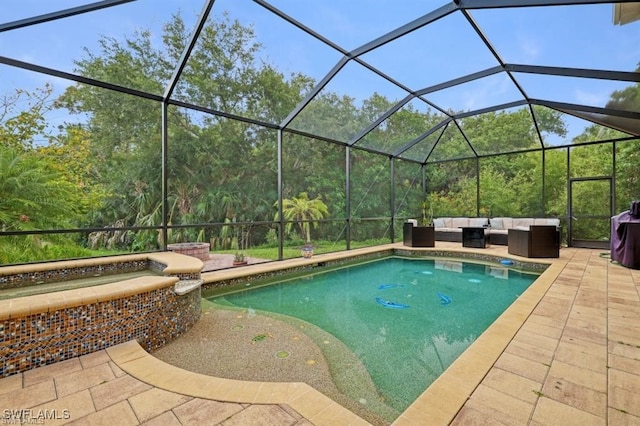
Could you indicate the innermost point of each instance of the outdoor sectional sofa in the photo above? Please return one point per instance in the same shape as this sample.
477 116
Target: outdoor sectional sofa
450 228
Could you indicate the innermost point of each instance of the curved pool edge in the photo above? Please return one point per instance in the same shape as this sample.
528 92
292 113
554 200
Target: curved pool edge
308 402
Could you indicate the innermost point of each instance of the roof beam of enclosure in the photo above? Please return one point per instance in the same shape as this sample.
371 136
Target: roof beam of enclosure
460 80
300 26
202 19
506 105
464 136
65 13
406 29
77 78
422 137
584 108
325 80
458 116
492 4
219 113
396 107
380 119
424 162
535 125
575 72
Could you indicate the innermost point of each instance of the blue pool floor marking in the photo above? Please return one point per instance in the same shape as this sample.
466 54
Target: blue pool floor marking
444 299
387 286
388 304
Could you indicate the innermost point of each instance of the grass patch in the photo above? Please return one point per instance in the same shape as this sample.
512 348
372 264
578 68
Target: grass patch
292 251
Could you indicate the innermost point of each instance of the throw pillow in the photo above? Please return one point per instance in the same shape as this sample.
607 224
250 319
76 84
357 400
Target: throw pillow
496 223
438 223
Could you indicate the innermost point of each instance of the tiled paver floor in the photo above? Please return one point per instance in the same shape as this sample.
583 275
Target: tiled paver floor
93 390
568 354
576 359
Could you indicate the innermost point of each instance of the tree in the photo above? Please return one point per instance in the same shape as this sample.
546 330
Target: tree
34 194
71 157
22 117
304 211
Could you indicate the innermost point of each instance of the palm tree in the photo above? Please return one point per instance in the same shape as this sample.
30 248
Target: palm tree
304 211
34 194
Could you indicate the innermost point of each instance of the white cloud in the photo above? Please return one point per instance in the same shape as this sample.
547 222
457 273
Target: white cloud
591 98
530 49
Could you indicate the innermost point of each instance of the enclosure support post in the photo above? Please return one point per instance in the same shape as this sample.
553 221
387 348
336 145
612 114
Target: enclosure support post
568 210
280 217
165 177
477 186
543 213
392 199
347 171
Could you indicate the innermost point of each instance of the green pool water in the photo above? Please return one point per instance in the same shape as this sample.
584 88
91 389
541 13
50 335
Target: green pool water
406 319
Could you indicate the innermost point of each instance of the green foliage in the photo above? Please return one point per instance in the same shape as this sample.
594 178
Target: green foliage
627 176
71 156
22 117
369 185
427 212
33 248
34 194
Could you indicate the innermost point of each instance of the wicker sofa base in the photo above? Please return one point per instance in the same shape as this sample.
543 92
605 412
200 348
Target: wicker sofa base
498 227
498 239
455 237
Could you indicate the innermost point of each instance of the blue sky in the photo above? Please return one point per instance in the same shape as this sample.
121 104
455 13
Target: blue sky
572 36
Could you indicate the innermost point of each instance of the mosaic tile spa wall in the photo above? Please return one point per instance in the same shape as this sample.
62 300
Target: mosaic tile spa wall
153 318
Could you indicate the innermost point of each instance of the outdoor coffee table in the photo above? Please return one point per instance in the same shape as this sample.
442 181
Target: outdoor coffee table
474 237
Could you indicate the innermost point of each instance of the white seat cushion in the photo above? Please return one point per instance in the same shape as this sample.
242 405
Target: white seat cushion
522 222
459 222
478 222
450 229
550 221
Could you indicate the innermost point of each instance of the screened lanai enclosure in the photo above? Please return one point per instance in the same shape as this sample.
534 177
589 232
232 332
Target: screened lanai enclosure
262 125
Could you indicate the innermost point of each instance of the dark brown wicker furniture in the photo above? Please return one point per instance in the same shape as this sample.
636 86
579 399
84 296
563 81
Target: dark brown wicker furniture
537 241
418 236
474 236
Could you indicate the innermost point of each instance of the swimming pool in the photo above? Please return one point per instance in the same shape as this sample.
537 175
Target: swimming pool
405 319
